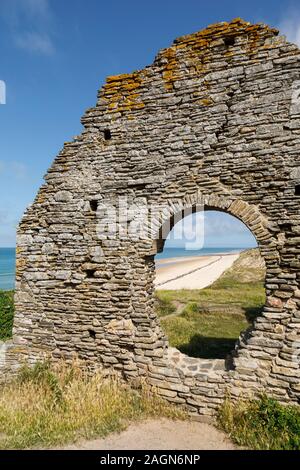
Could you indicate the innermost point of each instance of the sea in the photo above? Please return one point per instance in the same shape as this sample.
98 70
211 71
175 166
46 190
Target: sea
7 268
205 251
8 260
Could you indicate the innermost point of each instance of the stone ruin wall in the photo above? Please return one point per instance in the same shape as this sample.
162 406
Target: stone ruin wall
213 121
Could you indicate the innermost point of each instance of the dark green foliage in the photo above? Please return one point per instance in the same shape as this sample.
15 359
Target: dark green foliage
262 424
6 314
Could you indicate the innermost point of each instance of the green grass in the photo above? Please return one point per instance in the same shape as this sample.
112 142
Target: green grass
6 314
209 321
164 305
53 405
261 424
206 335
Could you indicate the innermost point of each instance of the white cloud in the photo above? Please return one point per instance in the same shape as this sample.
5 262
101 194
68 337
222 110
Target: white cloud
14 169
212 228
210 223
29 22
290 27
35 42
17 11
3 216
218 223
19 170
190 227
38 8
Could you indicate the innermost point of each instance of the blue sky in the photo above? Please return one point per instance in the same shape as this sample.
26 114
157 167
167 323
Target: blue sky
56 54
210 229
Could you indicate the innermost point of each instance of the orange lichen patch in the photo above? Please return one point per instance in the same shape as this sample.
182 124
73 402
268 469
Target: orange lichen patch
41 197
206 101
122 92
18 350
257 34
170 72
180 46
229 56
119 78
236 27
20 263
196 49
199 44
239 20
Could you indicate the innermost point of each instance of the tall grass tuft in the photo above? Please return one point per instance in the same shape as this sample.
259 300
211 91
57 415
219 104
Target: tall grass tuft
262 424
52 405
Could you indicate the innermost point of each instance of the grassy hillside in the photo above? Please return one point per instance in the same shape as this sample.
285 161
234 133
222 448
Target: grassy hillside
6 314
248 268
206 323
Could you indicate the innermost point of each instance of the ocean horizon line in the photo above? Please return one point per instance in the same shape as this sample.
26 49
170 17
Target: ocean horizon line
8 259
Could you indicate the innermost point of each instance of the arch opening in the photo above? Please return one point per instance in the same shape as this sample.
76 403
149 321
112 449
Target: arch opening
209 283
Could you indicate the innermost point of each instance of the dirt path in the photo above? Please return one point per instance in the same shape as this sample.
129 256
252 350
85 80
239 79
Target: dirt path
161 434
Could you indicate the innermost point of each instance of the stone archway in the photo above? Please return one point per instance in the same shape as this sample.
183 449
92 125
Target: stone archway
210 117
209 379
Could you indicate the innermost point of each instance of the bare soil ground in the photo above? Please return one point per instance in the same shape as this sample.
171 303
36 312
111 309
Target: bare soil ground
161 434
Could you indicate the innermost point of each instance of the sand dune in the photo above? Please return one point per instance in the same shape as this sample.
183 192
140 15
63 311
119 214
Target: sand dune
191 272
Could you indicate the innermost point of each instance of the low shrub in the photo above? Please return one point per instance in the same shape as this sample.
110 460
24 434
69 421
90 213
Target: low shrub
6 314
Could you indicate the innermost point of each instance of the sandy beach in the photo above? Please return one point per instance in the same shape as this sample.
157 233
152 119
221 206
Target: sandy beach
191 272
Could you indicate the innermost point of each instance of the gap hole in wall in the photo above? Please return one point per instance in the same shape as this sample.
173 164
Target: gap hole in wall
297 190
107 134
90 273
94 205
229 40
92 334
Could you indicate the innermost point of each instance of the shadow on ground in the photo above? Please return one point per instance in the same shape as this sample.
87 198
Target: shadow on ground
208 348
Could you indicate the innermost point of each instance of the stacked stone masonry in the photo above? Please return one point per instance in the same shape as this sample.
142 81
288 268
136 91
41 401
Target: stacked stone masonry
212 121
